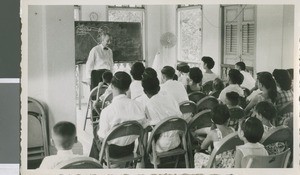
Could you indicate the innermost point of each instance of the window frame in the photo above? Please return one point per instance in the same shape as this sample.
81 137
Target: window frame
182 8
130 8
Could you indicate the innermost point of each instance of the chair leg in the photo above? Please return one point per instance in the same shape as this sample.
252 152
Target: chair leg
186 157
176 162
86 116
154 162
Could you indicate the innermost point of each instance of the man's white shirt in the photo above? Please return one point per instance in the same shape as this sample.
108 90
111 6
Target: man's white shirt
175 89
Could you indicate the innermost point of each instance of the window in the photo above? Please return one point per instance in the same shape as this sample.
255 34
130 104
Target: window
129 13
189 32
239 34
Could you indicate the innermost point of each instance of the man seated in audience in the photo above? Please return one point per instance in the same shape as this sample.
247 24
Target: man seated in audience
160 106
235 78
174 88
120 110
254 91
250 131
63 138
195 78
249 81
232 99
284 92
103 85
217 87
136 89
208 64
183 76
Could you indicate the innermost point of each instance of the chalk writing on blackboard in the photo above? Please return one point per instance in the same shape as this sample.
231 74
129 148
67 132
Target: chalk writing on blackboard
126 39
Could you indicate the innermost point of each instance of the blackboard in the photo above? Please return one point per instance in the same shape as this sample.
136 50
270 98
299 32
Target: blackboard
126 42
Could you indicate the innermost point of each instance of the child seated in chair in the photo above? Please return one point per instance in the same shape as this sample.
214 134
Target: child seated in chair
63 138
103 86
266 112
250 131
120 110
232 102
220 116
217 87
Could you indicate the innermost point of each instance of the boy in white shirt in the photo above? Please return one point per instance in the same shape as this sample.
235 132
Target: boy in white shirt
63 138
174 88
249 81
183 76
136 89
208 64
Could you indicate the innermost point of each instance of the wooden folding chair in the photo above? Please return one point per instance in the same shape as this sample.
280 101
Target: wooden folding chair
200 120
188 109
284 111
280 134
38 138
80 163
127 128
236 114
271 161
196 96
169 124
89 109
208 102
107 100
226 144
207 87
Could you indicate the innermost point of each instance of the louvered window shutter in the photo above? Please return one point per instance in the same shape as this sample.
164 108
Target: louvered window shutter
248 39
231 39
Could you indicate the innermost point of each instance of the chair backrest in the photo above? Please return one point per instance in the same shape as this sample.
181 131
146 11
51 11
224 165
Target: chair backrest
107 100
79 163
236 114
227 143
127 128
208 102
196 96
93 94
168 124
272 161
188 107
278 134
215 94
207 87
101 90
200 120
37 128
285 109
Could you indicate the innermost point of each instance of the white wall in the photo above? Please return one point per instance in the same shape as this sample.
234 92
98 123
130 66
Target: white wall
211 30
51 64
101 10
288 37
269 37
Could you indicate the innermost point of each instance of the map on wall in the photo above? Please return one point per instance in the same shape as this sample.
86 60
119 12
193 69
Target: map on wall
126 42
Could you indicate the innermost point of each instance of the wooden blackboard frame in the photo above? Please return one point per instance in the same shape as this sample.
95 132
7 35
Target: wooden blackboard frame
134 40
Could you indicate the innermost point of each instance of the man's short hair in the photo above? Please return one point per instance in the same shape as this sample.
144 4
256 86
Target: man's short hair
266 109
283 79
183 67
196 74
220 114
241 65
149 73
150 85
107 76
210 63
67 132
137 70
218 84
235 76
168 71
233 98
253 129
121 80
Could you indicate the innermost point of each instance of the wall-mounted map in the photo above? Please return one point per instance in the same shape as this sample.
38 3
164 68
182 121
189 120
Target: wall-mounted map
126 43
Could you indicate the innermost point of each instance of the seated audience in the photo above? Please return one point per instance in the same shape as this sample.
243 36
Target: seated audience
235 78
136 89
120 110
249 81
217 87
266 113
174 88
267 85
63 138
220 116
250 131
208 64
291 73
103 85
195 77
232 101
183 76
254 91
175 77
158 107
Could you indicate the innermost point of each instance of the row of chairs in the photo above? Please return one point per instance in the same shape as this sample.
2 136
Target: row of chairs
280 134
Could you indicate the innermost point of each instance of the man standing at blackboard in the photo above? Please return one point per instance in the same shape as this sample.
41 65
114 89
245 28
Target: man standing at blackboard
100 59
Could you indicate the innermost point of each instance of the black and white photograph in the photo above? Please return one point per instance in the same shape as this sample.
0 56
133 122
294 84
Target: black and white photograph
152 88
